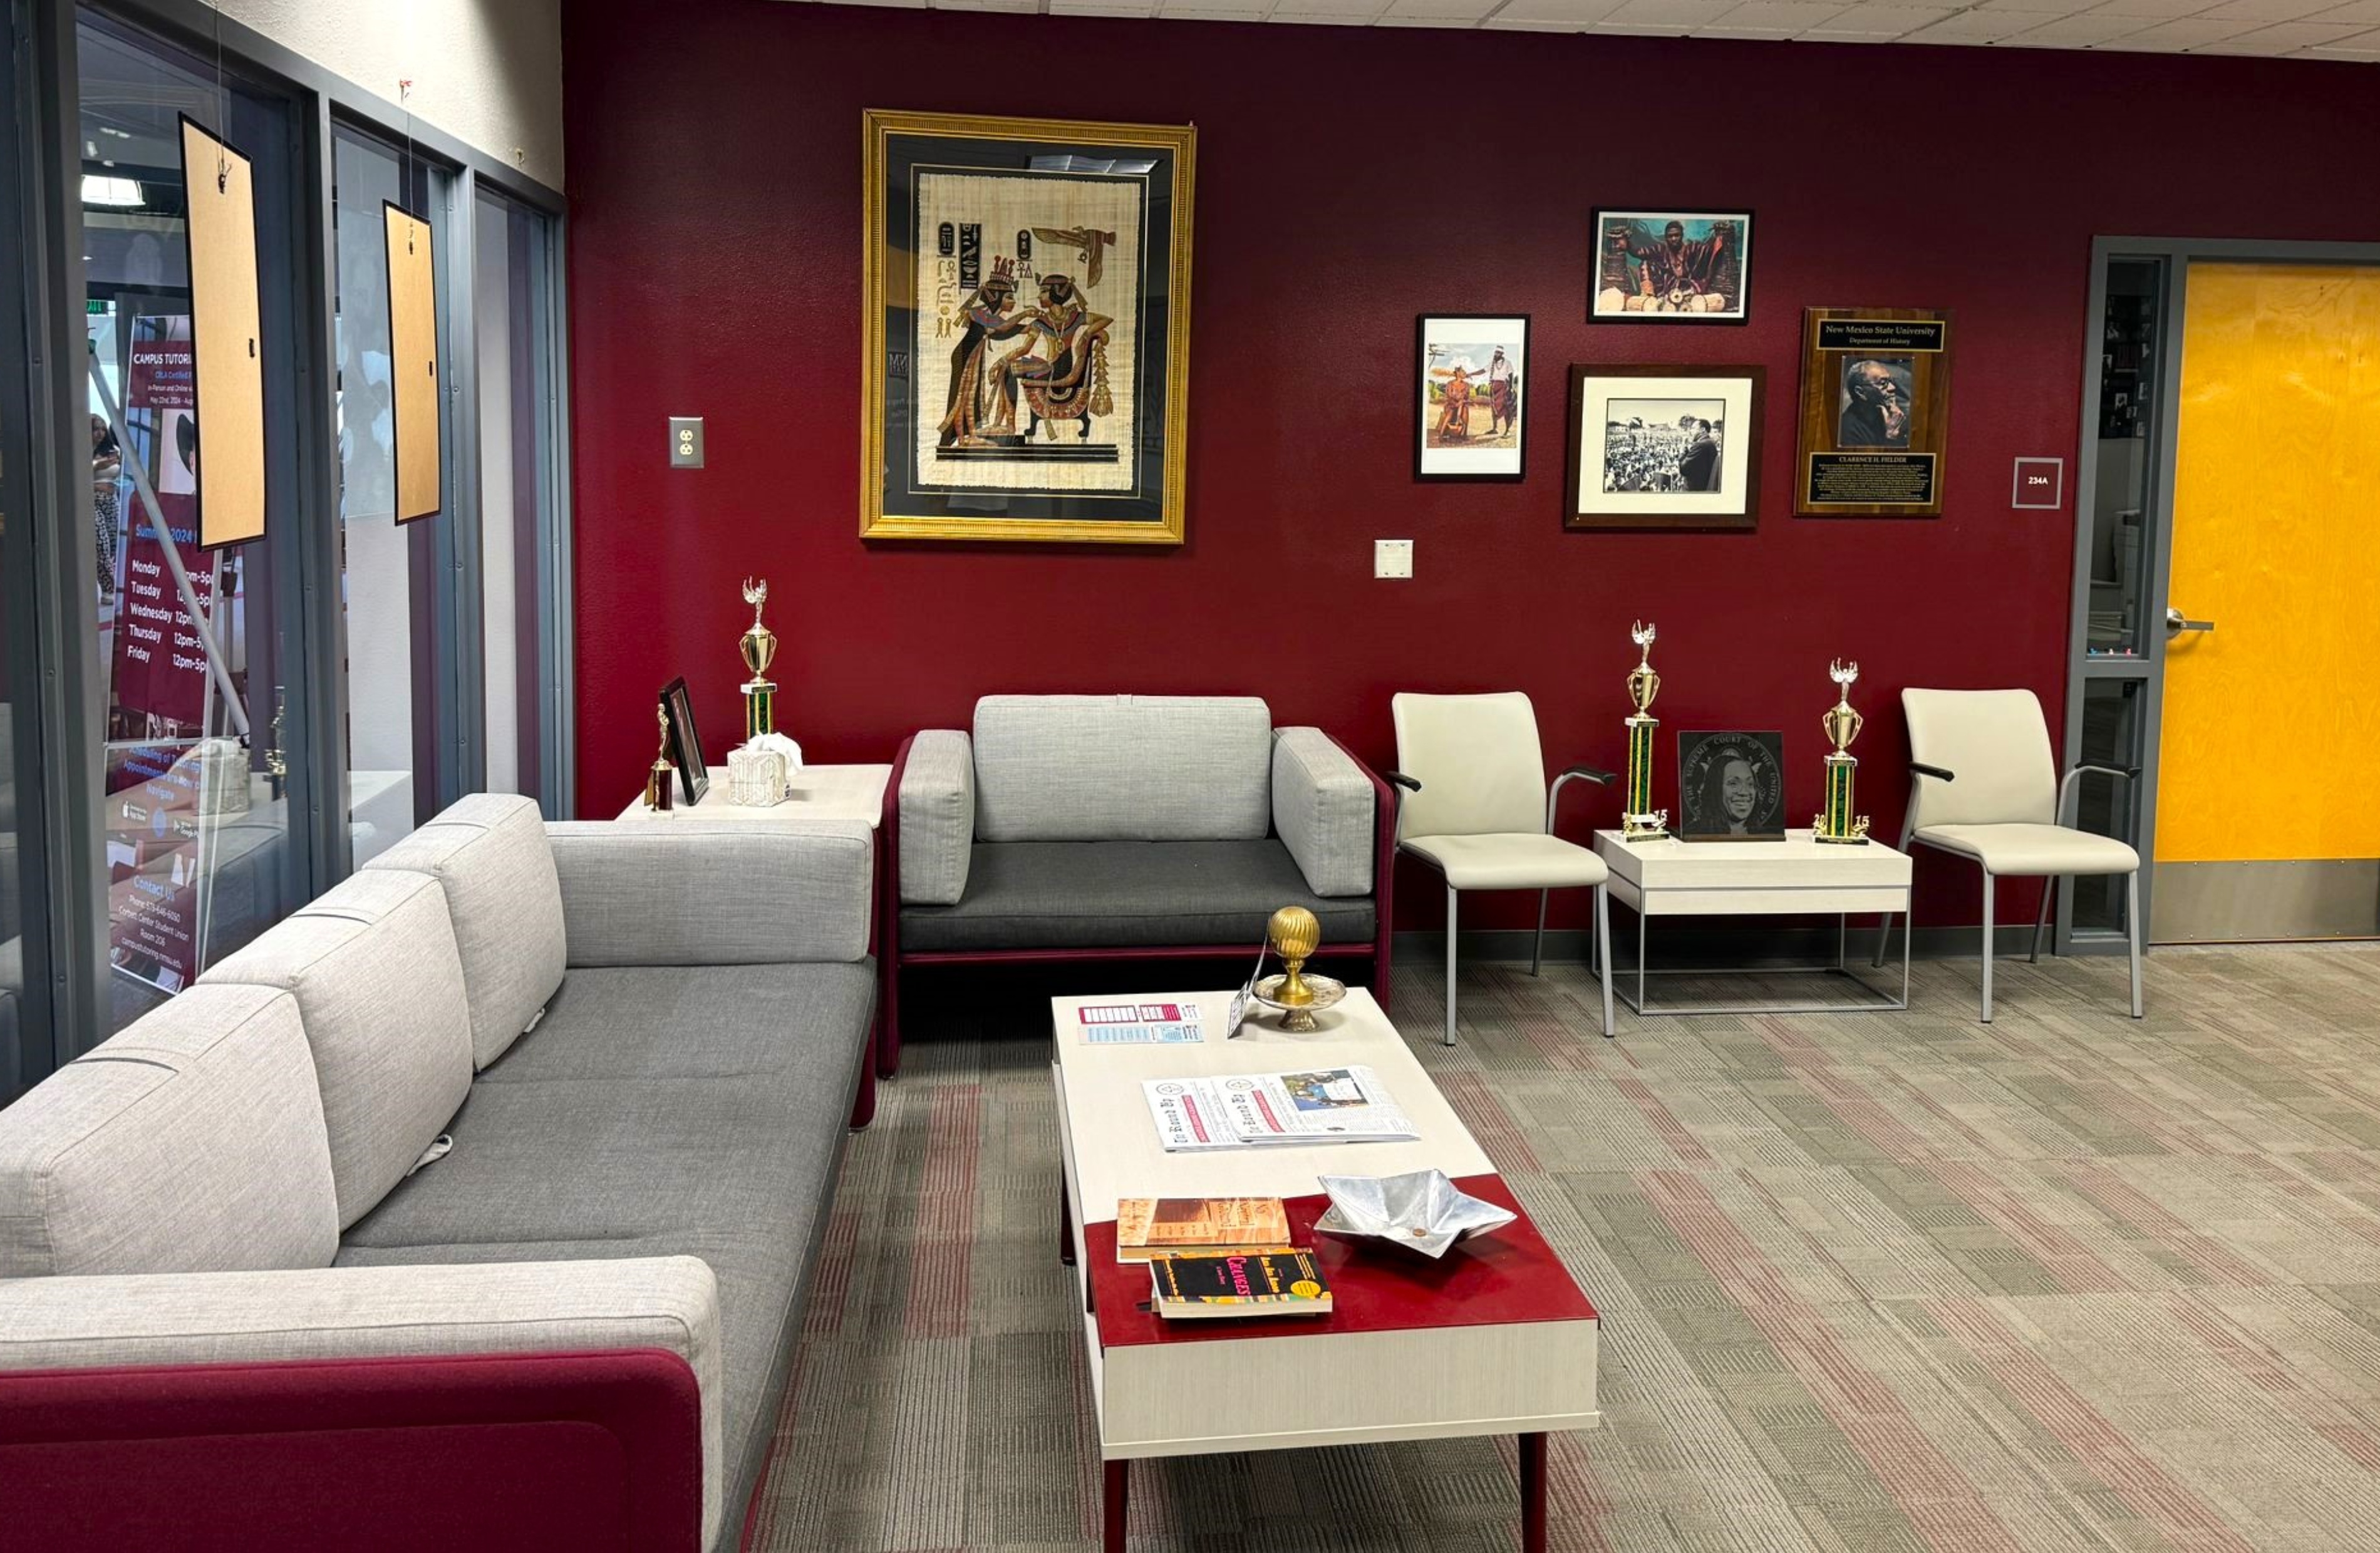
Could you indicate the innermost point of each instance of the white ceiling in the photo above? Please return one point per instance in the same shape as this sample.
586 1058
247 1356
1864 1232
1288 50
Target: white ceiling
2273 29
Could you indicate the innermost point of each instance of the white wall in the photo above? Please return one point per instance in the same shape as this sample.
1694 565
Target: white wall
488 72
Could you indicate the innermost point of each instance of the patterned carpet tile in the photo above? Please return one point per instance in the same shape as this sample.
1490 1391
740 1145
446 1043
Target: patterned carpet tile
1871 1284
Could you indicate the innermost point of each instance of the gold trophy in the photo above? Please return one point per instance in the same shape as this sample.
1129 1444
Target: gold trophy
660 780
1639 820
758 645
1842 724
1294 935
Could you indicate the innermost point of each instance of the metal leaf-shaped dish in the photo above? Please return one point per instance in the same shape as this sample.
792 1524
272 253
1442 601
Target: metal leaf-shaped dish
1423 1211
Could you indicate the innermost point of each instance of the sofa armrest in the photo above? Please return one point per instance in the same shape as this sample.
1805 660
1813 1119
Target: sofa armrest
688 891
155 1333
937 817
1322 810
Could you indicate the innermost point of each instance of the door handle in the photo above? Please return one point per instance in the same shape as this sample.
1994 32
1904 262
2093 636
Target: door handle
2176 622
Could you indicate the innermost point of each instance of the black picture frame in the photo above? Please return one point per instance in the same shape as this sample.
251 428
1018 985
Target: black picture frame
1604 215
1704 762
685 741
1419 382
1747 386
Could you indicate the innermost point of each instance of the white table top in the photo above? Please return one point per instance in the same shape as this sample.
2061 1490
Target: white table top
819 793
1114 1139
1799 862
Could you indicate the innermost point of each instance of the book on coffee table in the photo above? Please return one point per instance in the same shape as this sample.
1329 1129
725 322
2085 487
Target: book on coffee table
1287 1284
1147 1228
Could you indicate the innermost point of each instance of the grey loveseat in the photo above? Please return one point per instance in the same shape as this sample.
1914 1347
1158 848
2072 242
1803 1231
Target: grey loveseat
473 1205
1116 827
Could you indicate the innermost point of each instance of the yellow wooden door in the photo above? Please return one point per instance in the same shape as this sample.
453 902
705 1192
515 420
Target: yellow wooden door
2264 798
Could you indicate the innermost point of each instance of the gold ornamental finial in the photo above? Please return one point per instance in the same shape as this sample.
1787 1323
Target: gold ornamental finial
1295 935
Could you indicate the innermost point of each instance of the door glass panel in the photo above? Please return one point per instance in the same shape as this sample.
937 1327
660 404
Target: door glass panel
2106 805
2129 365
200 853
386 568
516 499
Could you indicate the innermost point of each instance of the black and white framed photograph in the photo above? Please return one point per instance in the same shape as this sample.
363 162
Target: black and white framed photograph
1672 267
685 743
1664 447
1731 787
1469 381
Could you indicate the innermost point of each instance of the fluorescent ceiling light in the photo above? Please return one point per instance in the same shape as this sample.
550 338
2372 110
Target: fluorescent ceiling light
120 192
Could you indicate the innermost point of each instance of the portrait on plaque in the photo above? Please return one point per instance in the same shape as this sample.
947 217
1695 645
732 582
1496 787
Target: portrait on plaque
1731 786
1027 309
1876 405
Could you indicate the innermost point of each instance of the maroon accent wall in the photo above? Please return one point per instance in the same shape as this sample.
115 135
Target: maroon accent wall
1349 179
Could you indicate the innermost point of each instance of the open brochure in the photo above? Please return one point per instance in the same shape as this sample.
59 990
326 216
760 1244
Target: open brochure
1241 1111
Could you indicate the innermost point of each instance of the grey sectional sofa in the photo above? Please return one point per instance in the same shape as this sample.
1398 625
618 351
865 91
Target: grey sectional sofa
472 1205
1119 827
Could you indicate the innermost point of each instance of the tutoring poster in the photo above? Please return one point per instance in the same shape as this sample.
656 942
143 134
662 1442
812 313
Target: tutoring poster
161 663
156 851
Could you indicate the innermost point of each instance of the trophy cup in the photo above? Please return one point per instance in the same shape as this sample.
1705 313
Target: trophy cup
1639 820
662 777
1295 935
1842 725
758 645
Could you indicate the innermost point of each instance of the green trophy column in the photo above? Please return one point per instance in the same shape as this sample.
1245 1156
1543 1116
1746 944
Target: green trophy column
1636 817
760 709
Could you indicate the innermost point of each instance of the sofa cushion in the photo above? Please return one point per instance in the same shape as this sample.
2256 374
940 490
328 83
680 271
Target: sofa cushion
1125 896
697 892
660 1113
1323 807
937 816
489 853
379 985
1123 767
192 1142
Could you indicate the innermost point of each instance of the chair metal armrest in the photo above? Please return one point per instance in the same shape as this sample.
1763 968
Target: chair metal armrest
2125 774
1397 779
1575 774
1918 767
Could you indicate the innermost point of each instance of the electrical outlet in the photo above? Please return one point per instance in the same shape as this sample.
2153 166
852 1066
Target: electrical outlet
685 441
1393 558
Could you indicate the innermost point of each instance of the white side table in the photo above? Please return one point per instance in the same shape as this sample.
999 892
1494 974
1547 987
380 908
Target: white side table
819 793
1801 875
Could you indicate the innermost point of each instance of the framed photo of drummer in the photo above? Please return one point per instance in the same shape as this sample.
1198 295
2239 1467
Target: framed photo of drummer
1470 388
1671 267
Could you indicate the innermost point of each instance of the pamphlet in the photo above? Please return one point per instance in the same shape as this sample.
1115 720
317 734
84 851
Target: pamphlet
1140 1024
1239 1111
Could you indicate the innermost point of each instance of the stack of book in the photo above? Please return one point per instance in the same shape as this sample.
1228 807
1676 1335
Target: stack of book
1220 1256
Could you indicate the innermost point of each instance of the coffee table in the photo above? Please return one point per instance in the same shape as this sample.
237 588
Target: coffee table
1662 876
1495 1339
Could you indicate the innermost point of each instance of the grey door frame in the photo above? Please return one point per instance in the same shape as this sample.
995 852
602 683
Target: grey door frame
2177 254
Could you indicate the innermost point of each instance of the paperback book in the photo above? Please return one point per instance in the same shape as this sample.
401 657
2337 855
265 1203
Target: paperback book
1281 1283
1147 1228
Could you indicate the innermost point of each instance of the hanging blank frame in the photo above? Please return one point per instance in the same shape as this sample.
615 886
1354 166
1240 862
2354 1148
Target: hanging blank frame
413 362
227 361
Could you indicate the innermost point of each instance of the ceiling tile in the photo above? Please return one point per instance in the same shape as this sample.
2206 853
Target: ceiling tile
1463 23
1210 10
2078 32
2151 10
1102 7
1574 14
1439 10
2287 37
1776 17
1881 22
1975 27
1499 24
2363 45
2367 12
1680 15
2044 7
2190 32
2265 11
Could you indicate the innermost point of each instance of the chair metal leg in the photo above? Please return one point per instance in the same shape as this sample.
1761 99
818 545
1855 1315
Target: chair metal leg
1987 946
1884 929
1537 950
1449 965
2040 923
1603 943
2133 932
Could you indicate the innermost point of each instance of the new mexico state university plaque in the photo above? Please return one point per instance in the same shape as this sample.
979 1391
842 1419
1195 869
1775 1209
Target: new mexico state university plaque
1876 412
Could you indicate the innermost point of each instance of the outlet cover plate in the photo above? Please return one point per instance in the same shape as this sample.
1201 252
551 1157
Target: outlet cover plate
1393 558
685 441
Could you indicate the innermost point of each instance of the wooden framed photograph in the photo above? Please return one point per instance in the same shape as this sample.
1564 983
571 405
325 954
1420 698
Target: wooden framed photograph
1026 293
685 743
1671 267
1664 447
1876 412
1731 787
1471 376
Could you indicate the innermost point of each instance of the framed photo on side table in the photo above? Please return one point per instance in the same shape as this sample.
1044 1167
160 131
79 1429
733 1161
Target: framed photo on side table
1026 294
1664 447
1731 787
1470 381
684 743
1876 412
1671 267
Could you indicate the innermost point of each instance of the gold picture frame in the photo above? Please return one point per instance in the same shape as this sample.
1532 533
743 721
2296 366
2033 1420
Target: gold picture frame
1065 420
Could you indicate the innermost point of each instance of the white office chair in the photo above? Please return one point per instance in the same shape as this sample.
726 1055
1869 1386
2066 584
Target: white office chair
1984 785
1477 809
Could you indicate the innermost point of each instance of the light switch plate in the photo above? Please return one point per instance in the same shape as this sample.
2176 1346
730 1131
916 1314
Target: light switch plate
1393 558
685 441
